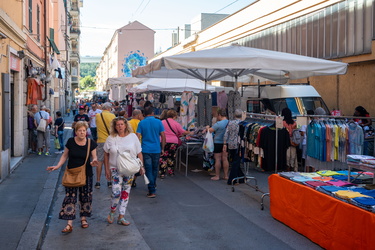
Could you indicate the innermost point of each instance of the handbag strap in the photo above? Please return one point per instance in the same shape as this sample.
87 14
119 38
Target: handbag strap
88 151
170 127
101 114
61 123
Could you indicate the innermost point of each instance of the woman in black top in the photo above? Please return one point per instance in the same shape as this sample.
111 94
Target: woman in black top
76 151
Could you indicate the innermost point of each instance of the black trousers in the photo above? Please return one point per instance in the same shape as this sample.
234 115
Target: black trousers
235 164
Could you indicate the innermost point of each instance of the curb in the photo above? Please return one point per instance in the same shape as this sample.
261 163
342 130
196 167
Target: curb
35 230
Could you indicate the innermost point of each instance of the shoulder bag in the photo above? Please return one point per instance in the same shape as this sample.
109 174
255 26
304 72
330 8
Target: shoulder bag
42 124
76 177
179 140
127 165
104 123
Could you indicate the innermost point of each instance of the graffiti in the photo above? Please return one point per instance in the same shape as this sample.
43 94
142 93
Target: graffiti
132 61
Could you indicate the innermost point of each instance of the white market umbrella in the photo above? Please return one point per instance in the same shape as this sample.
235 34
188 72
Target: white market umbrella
173 85
236 62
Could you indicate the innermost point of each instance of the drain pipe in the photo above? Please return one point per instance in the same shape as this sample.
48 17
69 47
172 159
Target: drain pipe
45 48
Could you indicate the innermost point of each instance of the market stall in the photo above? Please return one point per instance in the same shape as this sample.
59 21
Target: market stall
327 221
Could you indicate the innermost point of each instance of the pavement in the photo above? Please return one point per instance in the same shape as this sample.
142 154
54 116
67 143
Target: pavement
189 212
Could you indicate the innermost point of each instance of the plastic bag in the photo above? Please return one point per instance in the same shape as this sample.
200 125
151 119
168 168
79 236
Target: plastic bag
57 143
208 144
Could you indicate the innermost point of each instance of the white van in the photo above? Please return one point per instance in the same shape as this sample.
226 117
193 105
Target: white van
272 99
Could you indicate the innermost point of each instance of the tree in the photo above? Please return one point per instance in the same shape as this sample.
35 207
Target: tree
88 69
87 82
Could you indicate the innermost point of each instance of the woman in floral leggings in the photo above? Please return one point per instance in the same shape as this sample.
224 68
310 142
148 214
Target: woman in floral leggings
121 139
173 131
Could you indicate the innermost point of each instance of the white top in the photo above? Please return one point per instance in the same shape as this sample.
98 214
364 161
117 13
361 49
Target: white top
128 143
91 115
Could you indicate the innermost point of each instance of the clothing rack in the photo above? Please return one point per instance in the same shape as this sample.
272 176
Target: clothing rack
317 163
263 119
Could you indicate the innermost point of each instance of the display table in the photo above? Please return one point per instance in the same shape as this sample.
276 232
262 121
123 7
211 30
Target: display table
190 146
363 167
327 221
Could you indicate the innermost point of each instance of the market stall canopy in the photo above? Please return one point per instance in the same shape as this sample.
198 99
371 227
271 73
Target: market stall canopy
176 85
125 80
237 62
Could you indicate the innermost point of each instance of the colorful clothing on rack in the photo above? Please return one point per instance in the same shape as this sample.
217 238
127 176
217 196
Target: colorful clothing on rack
187 110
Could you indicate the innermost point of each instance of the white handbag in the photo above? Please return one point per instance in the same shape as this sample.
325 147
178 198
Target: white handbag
42 124
127 165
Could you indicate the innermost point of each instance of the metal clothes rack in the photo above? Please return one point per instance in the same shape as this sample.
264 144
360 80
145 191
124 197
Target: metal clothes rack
246 165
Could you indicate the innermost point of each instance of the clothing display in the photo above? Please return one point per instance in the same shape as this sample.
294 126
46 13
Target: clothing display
34 91
222 99
258 141
170 102
329 182
328 143
187 110
204 109
234 102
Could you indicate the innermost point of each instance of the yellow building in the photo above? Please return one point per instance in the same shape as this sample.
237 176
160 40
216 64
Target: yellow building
333 30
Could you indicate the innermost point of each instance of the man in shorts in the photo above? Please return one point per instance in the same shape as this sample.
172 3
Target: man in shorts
103 126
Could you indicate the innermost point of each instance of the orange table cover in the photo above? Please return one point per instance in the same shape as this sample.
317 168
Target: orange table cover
327 221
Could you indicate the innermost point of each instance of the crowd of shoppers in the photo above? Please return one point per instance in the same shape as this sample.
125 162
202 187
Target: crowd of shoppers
153 141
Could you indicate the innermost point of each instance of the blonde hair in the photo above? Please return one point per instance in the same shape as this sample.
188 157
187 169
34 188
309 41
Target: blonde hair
80 124
164 115
114 131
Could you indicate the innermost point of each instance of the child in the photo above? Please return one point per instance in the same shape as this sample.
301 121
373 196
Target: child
68 111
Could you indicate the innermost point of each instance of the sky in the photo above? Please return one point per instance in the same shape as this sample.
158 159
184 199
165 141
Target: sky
101 18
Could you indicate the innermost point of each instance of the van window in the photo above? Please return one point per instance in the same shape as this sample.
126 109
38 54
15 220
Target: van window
311 103
279 104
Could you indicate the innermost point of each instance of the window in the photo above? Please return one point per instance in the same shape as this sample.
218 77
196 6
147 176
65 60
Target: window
31 16
38 23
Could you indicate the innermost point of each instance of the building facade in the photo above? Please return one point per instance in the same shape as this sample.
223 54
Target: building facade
34 66
131 45
335 30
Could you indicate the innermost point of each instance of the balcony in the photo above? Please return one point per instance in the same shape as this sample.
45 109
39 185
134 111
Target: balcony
74 56
74 9
75 32
74 80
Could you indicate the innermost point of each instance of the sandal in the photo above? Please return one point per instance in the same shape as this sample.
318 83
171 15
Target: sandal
84 223
123 222
67 229
111 218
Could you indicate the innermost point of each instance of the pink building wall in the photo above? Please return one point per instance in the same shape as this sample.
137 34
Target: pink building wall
135 47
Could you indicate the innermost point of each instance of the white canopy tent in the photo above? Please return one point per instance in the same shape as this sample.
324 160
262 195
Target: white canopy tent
176 85
233 62
118 86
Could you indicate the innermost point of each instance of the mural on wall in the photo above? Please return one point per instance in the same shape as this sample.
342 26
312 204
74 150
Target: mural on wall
131 61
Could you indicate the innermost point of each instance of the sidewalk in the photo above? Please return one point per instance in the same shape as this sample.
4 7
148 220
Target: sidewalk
26 197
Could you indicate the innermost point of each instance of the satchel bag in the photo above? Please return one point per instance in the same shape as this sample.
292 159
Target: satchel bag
127 165
76 177
42 124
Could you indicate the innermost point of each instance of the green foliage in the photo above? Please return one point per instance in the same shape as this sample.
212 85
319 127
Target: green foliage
87 82
88 69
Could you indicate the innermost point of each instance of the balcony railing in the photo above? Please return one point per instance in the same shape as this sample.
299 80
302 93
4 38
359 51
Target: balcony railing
75 31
